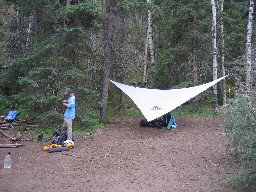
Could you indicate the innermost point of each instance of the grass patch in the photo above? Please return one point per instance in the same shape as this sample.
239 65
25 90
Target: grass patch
190 110
133 112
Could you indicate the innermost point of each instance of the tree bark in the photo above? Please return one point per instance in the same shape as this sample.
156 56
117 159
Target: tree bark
214 53
149 43
107 35
145 76
150 37
92 61
249 49
10 145
224 83
29 29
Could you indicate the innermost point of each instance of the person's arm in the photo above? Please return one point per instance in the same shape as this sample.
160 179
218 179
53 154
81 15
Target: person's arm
70 103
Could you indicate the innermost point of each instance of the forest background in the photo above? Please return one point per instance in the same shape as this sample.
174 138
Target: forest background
48 45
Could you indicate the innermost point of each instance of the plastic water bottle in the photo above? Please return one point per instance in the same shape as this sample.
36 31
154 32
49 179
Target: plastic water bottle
8 161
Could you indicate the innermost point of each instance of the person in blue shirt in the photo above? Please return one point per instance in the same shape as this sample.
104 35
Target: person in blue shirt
10 117
70 111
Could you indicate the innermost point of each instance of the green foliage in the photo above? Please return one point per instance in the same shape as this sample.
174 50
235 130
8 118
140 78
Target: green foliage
137 6
59 51
133 112
56 58
239 125
244 182
194 109
85 13
235 22
182 27
4 104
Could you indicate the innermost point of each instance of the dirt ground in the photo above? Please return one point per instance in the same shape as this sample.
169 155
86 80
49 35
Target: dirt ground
124 157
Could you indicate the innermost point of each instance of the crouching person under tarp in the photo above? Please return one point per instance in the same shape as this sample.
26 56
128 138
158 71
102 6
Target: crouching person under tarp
167 120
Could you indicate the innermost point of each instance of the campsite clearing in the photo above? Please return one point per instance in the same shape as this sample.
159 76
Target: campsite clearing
124 157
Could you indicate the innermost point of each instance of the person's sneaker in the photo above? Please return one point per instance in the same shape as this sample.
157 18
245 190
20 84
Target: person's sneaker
174 126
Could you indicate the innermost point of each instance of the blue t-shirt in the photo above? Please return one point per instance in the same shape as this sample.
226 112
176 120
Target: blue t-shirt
71 110
11 115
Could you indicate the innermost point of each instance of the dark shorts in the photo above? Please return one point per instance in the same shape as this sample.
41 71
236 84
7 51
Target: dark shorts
9 121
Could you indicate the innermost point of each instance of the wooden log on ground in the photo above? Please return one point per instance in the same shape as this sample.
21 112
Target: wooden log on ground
10 145
4 128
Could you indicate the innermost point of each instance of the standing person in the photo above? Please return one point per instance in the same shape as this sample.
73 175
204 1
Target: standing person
70 110
10 117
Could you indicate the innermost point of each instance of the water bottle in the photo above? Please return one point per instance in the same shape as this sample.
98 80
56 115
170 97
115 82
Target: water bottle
8 161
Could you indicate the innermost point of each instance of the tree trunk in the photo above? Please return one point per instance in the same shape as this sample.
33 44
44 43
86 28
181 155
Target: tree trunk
107 35
92 61
150 37
122 99
194 61
149 44
249 49
224 86
214 53
30 23
145 78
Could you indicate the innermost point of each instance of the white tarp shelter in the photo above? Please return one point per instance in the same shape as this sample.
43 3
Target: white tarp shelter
154 103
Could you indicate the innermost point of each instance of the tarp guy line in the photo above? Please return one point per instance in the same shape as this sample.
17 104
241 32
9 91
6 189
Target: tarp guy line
154 103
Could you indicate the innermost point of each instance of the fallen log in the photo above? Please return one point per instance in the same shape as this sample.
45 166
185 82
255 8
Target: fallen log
10 145
4 128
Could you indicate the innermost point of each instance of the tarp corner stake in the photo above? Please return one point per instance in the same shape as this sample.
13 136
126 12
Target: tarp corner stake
154 103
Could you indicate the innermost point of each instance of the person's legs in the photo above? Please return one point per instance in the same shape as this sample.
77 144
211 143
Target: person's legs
69 129
65 123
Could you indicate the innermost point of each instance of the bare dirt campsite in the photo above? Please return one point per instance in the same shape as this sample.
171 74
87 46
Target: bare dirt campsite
124 157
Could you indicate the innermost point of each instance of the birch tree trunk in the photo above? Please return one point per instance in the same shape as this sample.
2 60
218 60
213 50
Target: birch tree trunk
30 23
150 37
224 87
149 44
145 76
249 49
194 62
214 53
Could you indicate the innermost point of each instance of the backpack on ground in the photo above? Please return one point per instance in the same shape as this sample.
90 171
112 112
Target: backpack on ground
59 136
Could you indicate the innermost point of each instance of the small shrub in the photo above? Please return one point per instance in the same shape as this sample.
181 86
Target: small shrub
239 125
245 182
240 121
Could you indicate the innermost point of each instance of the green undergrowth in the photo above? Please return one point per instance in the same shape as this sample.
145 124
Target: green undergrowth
239 126
95 124
133 112
244 182
190 110
185 110
47 131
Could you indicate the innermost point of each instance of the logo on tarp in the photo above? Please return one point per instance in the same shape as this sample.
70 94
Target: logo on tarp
155 108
